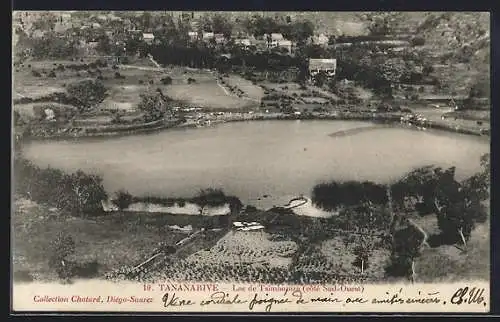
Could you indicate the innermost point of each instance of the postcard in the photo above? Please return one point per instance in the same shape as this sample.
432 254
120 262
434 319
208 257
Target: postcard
250 162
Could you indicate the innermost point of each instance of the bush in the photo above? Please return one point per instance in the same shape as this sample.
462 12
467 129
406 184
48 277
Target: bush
166 80
114 67
36 73
123 199
151 82
119 76
191 80
60 248
87 93
417 41
141 81
52 74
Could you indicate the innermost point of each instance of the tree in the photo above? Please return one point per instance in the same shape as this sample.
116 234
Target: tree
153 105
362 252
61 247
320 79
87 93
220 24
210 197
87 192
123 199
480 89
380 27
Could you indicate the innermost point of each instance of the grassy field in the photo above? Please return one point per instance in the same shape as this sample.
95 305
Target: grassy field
124 92
206 94
447 262
113 241
251 91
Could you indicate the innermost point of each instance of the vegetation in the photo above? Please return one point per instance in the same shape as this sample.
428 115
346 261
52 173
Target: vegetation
154 106
78 193
62 247
332 195
88 93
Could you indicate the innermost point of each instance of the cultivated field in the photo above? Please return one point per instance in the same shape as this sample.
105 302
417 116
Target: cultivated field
251 91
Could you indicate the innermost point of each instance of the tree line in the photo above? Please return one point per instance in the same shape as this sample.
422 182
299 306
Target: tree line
78 193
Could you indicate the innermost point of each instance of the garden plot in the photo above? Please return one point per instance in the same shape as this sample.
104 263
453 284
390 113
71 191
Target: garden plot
251 91
248 248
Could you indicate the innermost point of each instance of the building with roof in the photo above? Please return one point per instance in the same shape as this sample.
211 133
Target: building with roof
193 35
285 44
208 35
148 37
317 65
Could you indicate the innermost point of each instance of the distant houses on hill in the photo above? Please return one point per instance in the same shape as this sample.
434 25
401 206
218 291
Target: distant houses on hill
320 65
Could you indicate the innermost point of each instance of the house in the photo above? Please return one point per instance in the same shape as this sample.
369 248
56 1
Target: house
286 44
275 38
317 65
193 35
148 37
208 35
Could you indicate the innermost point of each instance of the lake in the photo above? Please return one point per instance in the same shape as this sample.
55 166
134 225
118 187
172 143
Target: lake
281 159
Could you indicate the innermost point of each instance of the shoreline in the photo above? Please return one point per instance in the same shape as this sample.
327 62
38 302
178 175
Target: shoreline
393 119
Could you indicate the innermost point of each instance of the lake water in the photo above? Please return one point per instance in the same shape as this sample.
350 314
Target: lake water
280 159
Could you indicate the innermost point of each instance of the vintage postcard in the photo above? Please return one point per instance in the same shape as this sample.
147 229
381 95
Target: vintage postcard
251 161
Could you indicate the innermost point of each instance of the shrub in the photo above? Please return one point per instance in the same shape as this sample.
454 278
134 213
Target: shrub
123 199
114 67
191 80
52 74
151 82
87 93
36 73
119 76
166 80
141 81
60 248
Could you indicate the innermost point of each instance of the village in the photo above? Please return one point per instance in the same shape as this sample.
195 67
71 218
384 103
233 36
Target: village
251 70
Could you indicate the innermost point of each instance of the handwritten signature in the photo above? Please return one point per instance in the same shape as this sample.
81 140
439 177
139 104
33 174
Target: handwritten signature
463 295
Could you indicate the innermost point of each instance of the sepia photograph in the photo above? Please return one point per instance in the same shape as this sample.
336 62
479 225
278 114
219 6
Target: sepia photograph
254 148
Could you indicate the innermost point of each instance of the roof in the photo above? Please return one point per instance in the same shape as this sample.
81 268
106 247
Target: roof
208 35
148 36
285 43
276 36
322 64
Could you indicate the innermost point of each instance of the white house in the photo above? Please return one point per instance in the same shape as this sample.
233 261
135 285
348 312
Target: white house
287 44
208 35
193 35
317 65
148 37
